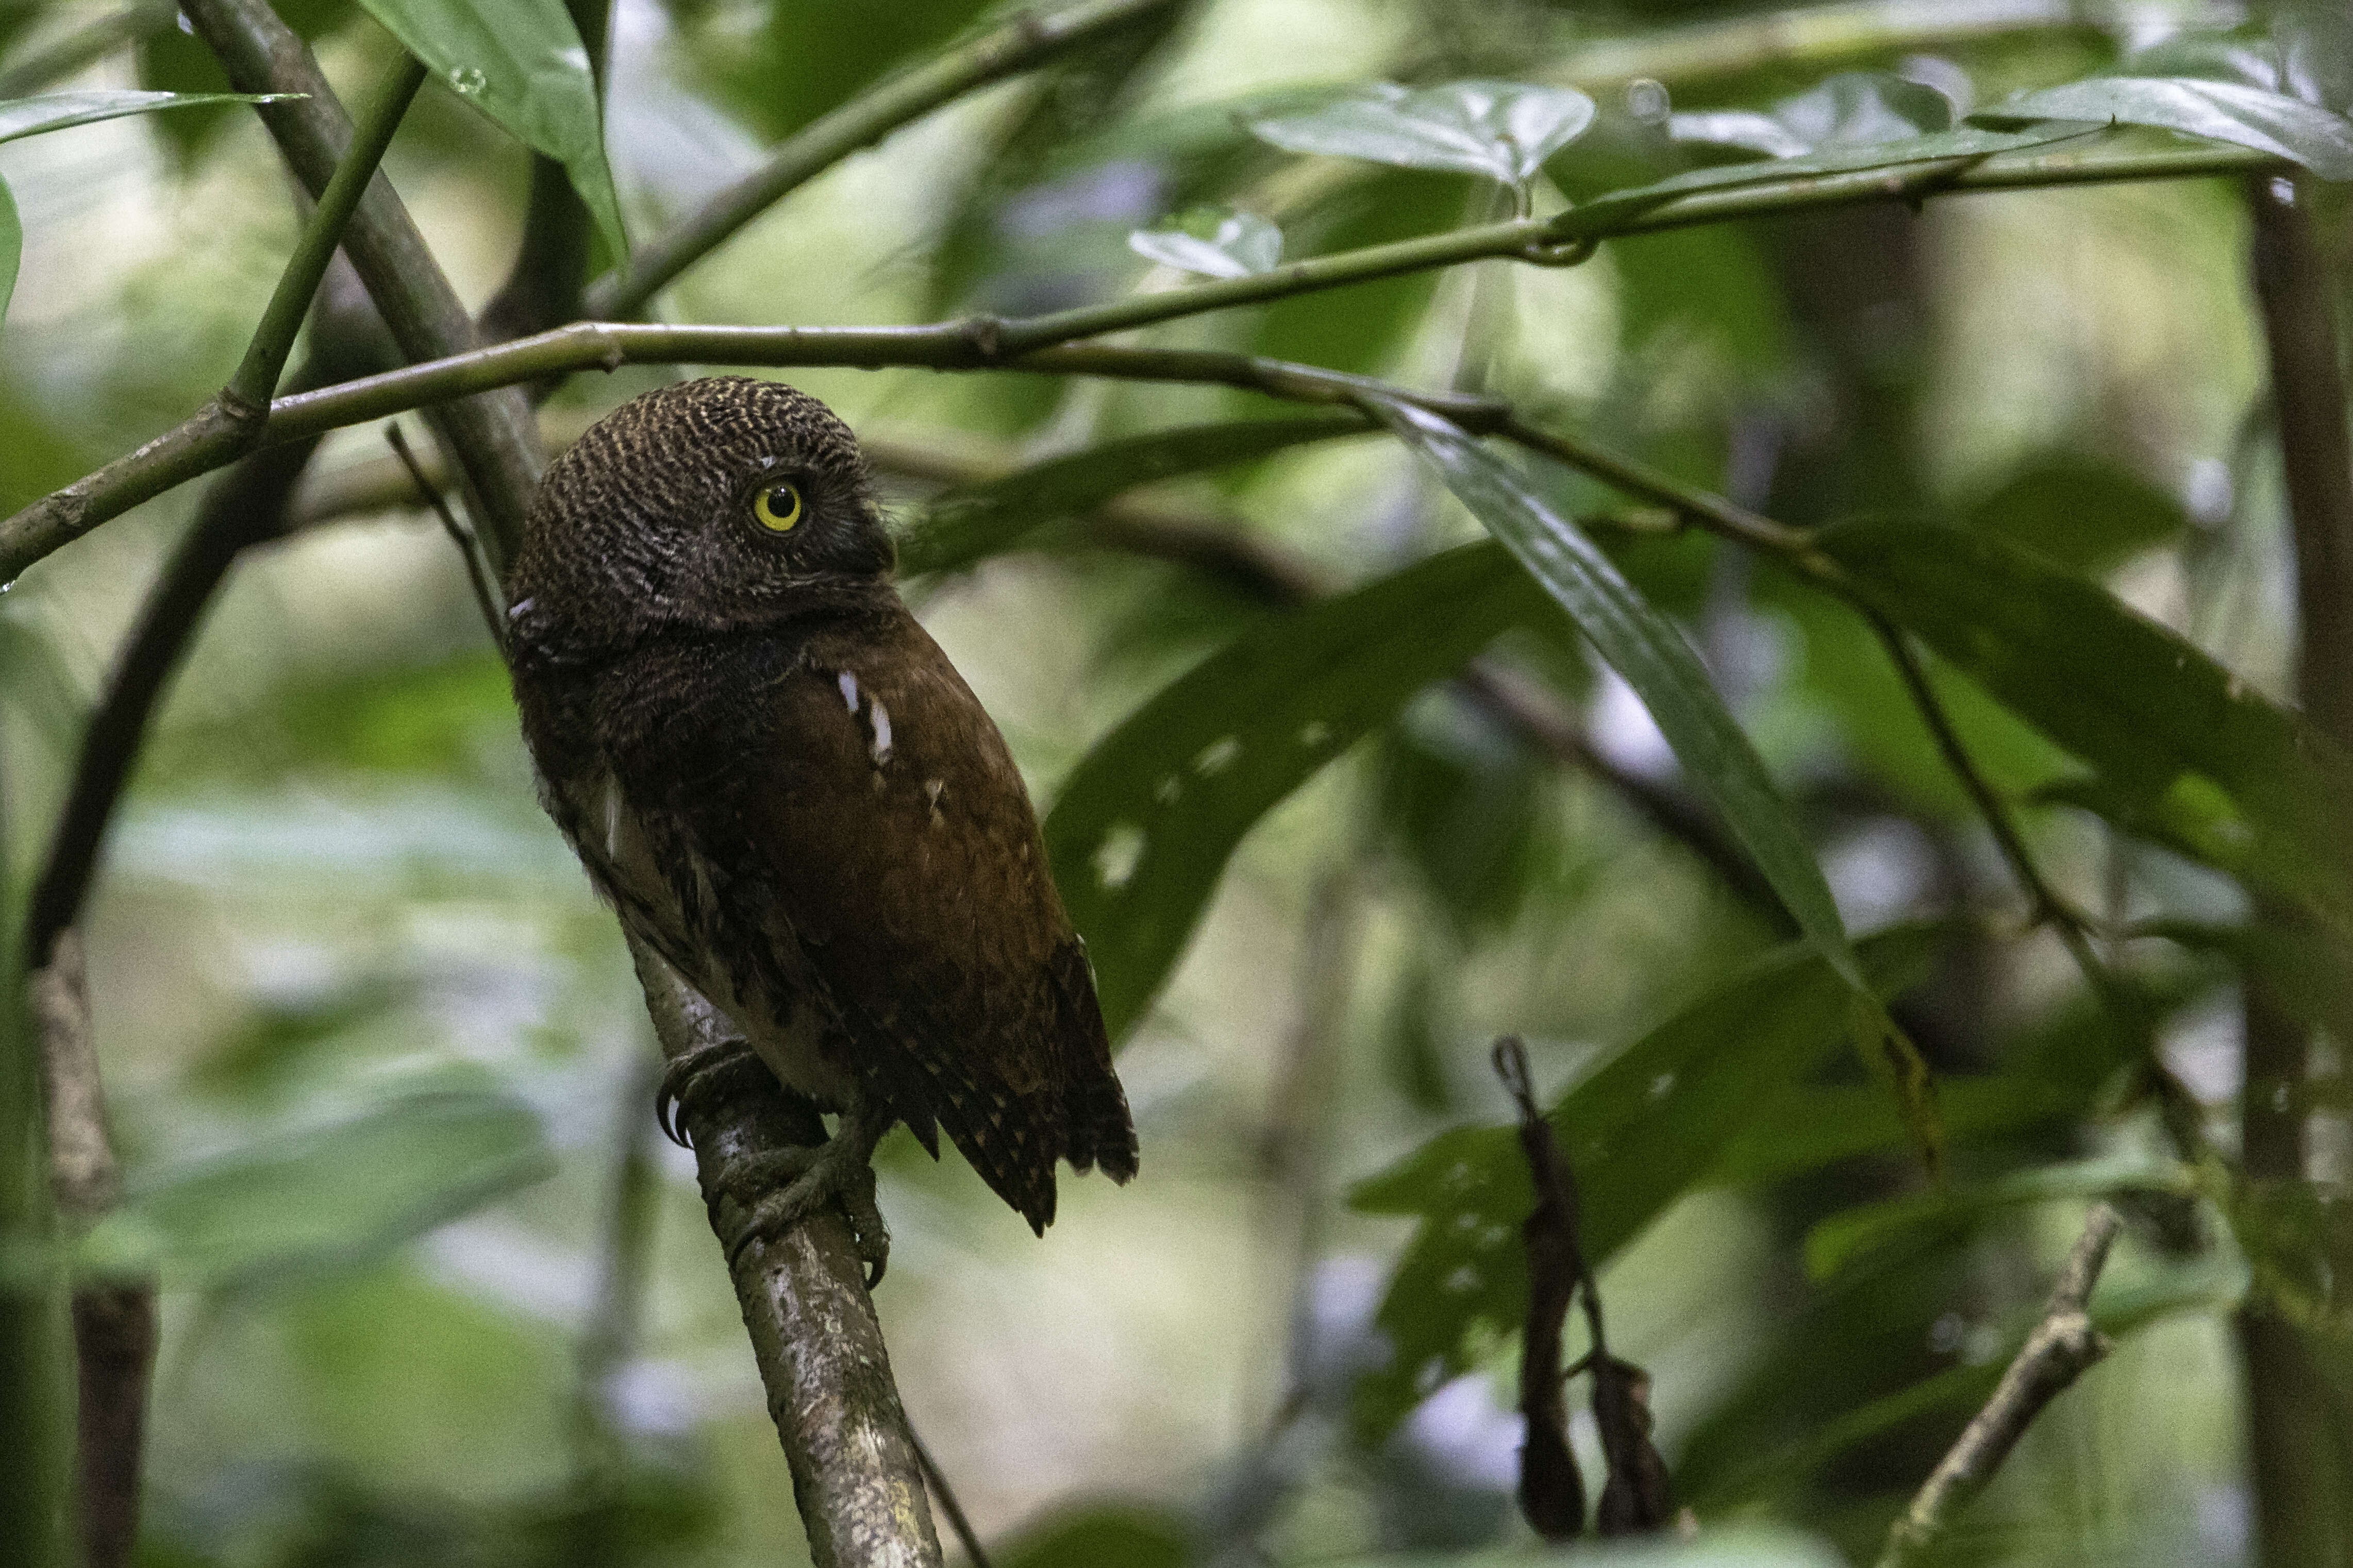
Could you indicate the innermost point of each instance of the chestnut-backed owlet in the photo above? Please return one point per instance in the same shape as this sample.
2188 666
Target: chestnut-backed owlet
787 791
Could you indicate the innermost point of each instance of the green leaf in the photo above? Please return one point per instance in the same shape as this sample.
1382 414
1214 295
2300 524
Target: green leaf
522 63
12 247
1148 819
963 525
1241 244
332 1195
2182 748
1644 646
57 110
1836 1242
1503 130
1966 143
1641 1127
2077 511
1853 108
2230 112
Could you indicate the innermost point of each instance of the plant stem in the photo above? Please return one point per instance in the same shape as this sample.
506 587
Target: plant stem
249 389
814 1334
986 343
1023 40
2063 1346
1813 37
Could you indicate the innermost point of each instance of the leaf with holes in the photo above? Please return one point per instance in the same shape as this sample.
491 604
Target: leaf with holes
1148 819
1640 1128
1645 647
973 521
2232 111
1503 130
57 110
1241 246
330 1195
522 63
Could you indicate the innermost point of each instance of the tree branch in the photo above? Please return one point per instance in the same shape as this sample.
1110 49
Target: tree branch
1025 39
114 1322
856 1473
2063 1346
1028 344
489 438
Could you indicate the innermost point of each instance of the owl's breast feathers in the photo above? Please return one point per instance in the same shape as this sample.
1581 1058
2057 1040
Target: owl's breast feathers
840 827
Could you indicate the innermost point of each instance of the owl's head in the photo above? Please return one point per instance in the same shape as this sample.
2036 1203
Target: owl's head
725 504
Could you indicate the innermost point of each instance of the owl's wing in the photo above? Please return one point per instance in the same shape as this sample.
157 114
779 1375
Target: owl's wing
864 809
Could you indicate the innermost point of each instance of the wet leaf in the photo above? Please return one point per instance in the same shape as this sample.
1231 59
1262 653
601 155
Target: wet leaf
57 111
1145 824
1240 245
1501 130
1645 647
328 1195
1643 1126
522 63
2232 111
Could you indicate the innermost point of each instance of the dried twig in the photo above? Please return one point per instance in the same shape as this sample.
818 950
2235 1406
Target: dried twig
2063 1346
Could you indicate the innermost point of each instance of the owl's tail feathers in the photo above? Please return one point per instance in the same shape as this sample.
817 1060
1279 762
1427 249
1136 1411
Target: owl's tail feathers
1098 1132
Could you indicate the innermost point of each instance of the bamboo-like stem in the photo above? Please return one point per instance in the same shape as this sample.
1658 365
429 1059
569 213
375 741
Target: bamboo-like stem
250 388
2063 1346
1031 343
1025 39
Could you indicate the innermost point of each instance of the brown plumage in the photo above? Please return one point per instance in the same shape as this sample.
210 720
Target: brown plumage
787 790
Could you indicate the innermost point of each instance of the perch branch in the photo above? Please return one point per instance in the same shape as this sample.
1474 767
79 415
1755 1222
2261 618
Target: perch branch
855 1471
113 1320
1025 39
2063 1346
981 342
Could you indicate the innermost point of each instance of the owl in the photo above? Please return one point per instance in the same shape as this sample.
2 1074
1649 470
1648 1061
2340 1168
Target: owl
786 790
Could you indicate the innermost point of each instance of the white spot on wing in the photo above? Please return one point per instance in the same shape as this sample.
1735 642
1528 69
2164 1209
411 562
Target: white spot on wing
880 751
848 684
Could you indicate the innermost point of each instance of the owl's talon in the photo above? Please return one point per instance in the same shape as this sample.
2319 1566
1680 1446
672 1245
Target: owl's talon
840 1168
689 1077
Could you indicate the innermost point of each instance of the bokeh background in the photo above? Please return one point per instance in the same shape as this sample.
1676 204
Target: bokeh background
361 1016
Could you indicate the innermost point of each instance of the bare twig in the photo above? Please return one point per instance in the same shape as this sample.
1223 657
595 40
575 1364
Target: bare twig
114 1321
855 1471
2063 1346
975 1555
469 549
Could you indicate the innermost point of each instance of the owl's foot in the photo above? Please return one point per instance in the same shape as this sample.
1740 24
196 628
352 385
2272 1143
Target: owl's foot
782 1186
695 1076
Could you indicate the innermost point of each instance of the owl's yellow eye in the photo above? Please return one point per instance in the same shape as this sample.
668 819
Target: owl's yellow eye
778 508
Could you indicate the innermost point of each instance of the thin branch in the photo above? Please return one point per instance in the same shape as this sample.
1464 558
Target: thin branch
486 596
2063 1346
975 1555
489 438
114 1321
256 379
986 343
813 1334
1023 40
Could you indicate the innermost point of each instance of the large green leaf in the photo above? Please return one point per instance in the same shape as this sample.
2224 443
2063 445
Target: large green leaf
1503 130
522 63
1641 1128
1143 828
1852 109
805 57
1237 245
1644 646
330 1195
2233 112
1838 1242
2181 748
961 526
57 110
